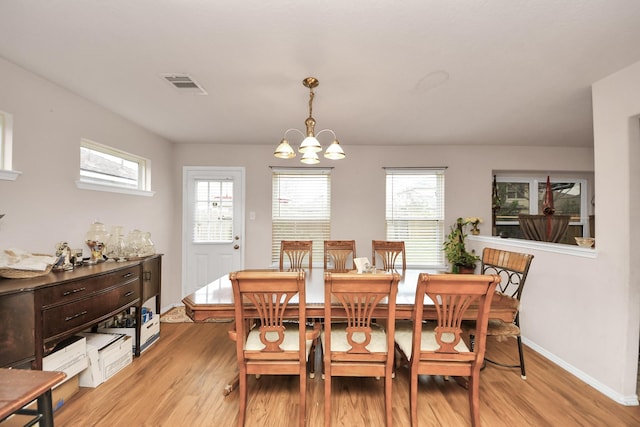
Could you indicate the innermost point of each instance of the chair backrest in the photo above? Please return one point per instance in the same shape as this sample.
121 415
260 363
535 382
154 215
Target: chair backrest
354 298
339 252
262 297
456 297
388 251
296 251
512 267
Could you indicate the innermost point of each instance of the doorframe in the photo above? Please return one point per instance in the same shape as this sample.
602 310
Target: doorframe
186 171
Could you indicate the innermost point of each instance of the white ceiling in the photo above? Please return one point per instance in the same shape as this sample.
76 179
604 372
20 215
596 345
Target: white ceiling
514 72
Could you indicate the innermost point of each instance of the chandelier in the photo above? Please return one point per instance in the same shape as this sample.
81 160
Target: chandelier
310 145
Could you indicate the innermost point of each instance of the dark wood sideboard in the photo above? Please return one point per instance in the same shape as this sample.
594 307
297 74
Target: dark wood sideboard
37 313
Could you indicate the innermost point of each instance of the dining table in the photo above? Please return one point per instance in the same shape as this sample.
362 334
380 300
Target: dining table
214 301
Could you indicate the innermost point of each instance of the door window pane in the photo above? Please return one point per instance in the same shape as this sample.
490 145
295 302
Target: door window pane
213 212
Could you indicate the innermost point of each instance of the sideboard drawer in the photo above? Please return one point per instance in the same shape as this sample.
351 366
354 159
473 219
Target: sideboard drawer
63 318
78 289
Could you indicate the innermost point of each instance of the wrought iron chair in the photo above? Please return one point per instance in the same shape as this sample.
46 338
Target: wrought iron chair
388 251
439 348
513 268
295 251
353 345
338 252
267 341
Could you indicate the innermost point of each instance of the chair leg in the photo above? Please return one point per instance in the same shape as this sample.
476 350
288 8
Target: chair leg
413 397
474 396
388 408
242 398
327 399
311 363
303 397
523 374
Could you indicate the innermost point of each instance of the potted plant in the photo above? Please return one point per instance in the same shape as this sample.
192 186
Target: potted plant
454 248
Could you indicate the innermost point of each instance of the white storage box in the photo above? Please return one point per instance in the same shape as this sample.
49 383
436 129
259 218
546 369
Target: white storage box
71 358
149 332
108 354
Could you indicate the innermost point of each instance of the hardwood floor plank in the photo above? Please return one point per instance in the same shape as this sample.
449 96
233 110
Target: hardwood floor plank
179 382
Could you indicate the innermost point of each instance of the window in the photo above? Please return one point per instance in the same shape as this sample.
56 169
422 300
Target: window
6 147
2 139
109 169
415 213
525 195
213 212
301 208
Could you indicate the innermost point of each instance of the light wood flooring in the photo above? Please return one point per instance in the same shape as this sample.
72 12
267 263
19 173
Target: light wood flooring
179 382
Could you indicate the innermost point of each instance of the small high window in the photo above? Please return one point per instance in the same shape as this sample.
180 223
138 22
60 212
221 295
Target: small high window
6 147
108 169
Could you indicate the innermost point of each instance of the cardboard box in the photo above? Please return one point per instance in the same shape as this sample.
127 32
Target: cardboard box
69 356
63 392
108 354
149 332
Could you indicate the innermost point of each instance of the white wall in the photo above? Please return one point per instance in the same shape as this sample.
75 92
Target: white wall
43 206
358 183
616 108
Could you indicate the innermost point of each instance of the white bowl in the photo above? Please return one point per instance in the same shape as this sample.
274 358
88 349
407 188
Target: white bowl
585 242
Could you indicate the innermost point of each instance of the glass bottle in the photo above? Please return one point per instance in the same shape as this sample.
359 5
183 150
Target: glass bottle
148 247
134 244
96 238
115 248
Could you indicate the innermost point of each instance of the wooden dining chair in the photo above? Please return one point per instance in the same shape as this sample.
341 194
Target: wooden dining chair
295 251
353 345
268 342
513 268
338 253
388 251
438 348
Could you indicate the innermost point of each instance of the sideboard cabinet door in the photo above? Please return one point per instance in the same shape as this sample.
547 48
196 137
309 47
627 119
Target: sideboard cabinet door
17 324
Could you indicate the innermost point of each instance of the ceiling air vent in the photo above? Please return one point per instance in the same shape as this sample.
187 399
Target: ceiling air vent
184 83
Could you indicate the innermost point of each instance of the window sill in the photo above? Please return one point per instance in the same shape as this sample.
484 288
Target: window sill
113 189
9 175
541 246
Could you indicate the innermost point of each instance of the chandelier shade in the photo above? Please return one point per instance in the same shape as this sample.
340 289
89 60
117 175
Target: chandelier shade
310 145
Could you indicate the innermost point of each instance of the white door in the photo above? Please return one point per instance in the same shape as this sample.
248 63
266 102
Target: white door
213 224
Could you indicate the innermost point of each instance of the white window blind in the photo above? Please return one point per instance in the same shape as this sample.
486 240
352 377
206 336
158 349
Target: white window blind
415 213
301 208
213 211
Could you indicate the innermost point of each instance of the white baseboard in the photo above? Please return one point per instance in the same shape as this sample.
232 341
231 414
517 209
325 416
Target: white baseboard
630 400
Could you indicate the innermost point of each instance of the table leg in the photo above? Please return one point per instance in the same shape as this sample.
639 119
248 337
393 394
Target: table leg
46 409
